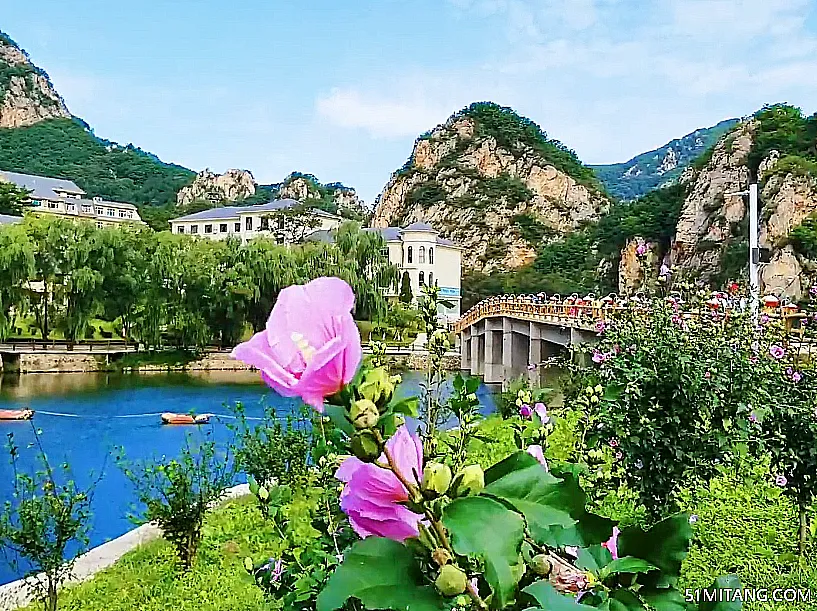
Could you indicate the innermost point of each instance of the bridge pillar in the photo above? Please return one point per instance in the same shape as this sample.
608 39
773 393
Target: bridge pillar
465 349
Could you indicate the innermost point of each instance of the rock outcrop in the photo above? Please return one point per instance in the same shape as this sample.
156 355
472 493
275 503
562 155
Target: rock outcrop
231 186
305 187
638 266
486 196
26 93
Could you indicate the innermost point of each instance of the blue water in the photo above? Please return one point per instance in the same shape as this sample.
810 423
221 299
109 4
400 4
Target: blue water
97 403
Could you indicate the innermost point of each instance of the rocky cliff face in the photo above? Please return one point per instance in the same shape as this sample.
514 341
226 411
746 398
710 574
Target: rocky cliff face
231 186
498 201
306 188
26 93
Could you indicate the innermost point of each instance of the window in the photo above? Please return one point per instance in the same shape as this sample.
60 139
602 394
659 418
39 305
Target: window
194 228
422 278
281 222
222 228
180 229
87 208
208 229
385 252
422 257
123 214
238 227
100 225
248 223
52 205
409 254
430 255
264 223
70 207
110 212
430 277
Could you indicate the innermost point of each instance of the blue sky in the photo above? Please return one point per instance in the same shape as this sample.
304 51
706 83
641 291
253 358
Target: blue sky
341 88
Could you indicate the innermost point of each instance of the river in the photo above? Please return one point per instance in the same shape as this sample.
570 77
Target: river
84 417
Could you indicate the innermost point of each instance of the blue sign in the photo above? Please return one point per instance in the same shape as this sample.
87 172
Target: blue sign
447 291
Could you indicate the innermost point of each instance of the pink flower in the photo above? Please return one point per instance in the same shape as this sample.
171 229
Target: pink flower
664 271
796 377
612 543
373 496
641 249
777 352
598 357
311 346
600 326
708 375
541 411
538 454
781 481
525 411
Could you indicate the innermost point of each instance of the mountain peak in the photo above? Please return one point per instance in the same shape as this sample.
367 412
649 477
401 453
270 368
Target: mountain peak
26 93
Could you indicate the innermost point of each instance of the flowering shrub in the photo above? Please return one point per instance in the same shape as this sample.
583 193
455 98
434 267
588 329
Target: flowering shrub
515 535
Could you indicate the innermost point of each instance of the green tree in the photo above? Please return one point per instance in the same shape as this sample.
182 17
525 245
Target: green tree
12 199
16 267
405 289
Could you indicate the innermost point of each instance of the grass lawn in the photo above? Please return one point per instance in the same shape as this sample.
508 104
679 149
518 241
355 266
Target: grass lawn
147 578
744 526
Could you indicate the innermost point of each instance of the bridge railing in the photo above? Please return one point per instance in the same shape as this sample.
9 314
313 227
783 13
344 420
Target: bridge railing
34 345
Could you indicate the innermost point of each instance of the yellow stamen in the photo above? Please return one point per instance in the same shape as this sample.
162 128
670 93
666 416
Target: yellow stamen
307 351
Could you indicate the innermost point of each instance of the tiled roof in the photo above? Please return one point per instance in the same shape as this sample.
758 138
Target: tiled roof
229 212
40 186
420 227
6 219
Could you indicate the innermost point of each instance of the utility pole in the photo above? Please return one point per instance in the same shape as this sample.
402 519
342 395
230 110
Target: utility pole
754 252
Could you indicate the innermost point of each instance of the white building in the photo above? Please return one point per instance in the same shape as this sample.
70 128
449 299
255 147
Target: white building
248 222
419 251
64 198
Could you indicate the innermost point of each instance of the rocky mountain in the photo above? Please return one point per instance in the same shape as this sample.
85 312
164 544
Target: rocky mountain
661 167
333 197
495 184
26 93
231 186
777 147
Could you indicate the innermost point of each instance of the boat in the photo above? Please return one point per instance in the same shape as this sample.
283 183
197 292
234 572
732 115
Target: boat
171 418
16 414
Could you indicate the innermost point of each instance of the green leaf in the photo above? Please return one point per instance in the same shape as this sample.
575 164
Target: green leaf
593 558
623 600
627 564
612 392
731 582
337 415
544 500
665 545
407 407
485 528
383 574
668 599
514 462
550 600
472 384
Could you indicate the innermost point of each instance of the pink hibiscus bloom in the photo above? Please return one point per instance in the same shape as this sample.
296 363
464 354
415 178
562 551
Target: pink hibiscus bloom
538 454
311 346
373 496
612 543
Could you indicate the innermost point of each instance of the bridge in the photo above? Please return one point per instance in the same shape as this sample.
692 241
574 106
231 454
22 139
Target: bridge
38 355
500 338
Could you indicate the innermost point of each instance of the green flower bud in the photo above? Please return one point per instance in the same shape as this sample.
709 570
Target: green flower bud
441 556
589 390
540 564
436 478
377 386
599 389
451 580
462 601
248 564
364 414
594 399
263 493
472 397
365 446
470 480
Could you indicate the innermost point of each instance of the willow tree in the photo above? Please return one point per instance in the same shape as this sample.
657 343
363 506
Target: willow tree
16 267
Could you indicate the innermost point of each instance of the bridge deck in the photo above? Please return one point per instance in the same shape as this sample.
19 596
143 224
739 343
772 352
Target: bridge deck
582 317
63 347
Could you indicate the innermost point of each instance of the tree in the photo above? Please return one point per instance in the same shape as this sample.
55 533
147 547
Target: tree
16 267
405 289
12 199
292 224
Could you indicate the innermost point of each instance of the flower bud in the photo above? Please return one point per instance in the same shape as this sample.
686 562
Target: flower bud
470 480
598 389
441 556
451 580
364 446
364 414
540 564
594 399
436 478
377 386
249 566
263 493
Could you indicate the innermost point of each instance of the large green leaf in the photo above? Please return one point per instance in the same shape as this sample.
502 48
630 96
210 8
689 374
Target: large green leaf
731 582
668 599
626 564
338 417
383 574
550 600
485 528
544 500
593 558
665 545
623 600
514 462
407 407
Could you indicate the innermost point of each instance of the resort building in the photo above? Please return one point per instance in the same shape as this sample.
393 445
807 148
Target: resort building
64 198
248 222
427 259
